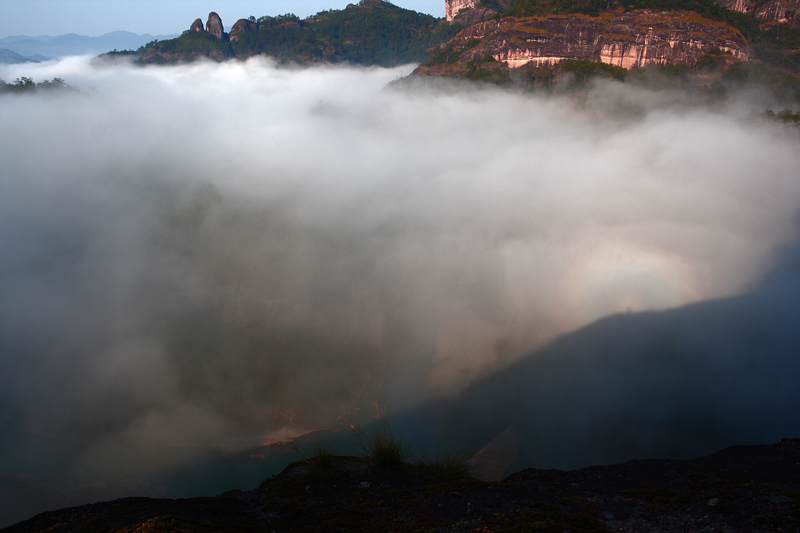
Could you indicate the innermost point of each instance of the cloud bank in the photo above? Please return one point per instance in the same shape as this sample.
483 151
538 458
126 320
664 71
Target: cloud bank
209 254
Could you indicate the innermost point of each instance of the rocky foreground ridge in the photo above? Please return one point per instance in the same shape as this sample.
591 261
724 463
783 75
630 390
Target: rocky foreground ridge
741 488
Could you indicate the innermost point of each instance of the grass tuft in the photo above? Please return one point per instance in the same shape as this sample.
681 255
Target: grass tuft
387 451
448 463
324 454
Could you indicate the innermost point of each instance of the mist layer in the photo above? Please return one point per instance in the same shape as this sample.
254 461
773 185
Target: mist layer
213 254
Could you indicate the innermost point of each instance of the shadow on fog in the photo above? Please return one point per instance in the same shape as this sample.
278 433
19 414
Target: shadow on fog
178 286
672 384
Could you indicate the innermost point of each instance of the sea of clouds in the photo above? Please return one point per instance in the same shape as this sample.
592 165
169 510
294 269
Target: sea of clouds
155 222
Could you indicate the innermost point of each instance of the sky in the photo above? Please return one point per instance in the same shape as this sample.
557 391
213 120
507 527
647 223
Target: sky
96 17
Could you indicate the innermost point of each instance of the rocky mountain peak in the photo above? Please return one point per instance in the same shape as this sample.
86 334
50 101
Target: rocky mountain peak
214 25
453 7
468 12
197 26
241 26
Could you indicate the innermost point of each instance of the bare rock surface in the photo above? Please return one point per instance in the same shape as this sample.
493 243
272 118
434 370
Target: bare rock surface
625 39
214 25
454 7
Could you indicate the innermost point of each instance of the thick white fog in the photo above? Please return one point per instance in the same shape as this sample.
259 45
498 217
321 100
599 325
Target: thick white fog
213 253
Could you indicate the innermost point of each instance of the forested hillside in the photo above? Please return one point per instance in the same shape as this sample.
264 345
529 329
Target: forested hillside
370 33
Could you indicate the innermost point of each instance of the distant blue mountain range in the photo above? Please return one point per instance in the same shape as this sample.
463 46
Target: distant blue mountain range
42 47
9 56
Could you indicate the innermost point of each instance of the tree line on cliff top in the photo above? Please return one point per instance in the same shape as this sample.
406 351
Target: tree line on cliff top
383 34
745 23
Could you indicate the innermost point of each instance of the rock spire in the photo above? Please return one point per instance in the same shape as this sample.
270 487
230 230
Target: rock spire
214 25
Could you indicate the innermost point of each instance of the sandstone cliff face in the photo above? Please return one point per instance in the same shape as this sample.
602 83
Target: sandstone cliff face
631 39
468 12
453 7
214 25
197 26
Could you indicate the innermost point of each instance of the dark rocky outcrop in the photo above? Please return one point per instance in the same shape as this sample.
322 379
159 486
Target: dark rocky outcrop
197 26
454 7
214 25
467 12
242 25
291 25
741 488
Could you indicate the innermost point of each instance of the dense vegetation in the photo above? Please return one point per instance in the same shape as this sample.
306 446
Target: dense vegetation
193 42
24 85
778 46
399 35
372 33
747 24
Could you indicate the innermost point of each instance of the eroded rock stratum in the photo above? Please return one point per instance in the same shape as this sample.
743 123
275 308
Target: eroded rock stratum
625 39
